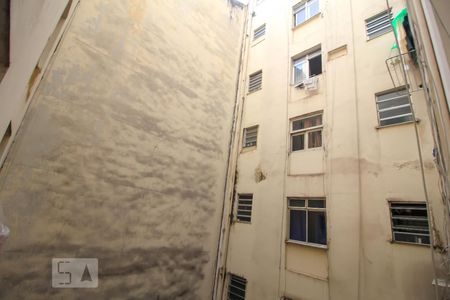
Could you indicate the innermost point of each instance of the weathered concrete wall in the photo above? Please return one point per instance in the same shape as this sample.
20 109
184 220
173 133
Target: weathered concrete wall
122 155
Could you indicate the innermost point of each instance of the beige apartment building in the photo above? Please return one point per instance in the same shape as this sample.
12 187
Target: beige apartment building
206 149
328 200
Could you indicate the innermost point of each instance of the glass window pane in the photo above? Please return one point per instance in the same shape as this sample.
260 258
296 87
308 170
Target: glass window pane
313 7
299 71
316 203
307 122
396 120
297 226
317 229
402 237
298 142
315 139
395 112
392 95
393 103
297 202
300 16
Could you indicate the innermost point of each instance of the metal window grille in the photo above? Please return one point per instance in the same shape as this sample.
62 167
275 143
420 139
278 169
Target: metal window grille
259 32
236 287
306 132
255 82
307 220
244 209
409 223
394 108
379 24
250 136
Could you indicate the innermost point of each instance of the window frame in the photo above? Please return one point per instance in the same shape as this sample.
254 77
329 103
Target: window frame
244 138
259 32
236 210
307 209
376 17
409 104
392 203
240 280
304 5
251 88
306 59
305 131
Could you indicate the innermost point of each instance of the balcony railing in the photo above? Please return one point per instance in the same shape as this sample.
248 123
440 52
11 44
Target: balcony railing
394 66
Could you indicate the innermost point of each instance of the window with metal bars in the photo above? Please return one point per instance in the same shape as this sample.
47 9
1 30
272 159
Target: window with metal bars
379 24
409 222
255 81
259 32
306 132
236 287
250 136
305 10
394 108
307 220
244 208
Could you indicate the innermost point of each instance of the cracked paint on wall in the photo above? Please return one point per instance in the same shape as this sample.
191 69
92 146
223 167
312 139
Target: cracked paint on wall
122 155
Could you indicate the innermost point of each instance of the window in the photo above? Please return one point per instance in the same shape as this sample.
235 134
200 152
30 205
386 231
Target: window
307 220
379 24
4 36
304 11
306 132
244 209
236 287
250 136
255 81
394 108
409 223
307 66
259 32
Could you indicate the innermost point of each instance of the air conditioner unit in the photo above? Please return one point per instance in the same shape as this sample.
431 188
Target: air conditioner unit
311 84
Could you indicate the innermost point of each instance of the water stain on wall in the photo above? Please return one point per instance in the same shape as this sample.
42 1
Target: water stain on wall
122 155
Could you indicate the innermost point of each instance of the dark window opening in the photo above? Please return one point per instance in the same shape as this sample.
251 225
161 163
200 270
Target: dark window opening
236 287
307 220
4 36
315 66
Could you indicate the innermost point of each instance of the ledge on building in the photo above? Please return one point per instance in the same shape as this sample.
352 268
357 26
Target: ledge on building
319 246
307 21
397 124
248 149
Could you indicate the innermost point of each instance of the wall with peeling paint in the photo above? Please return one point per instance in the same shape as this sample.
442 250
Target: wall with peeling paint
122 155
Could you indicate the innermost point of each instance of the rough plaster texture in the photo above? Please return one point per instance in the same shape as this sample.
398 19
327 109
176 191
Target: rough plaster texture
122 155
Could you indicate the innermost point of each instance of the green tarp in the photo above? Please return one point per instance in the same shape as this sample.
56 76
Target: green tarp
398 21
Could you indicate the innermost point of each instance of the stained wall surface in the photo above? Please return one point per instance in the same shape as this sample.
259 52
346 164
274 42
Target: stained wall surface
122 154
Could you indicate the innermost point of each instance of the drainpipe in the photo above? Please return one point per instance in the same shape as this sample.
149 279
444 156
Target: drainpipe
228 194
